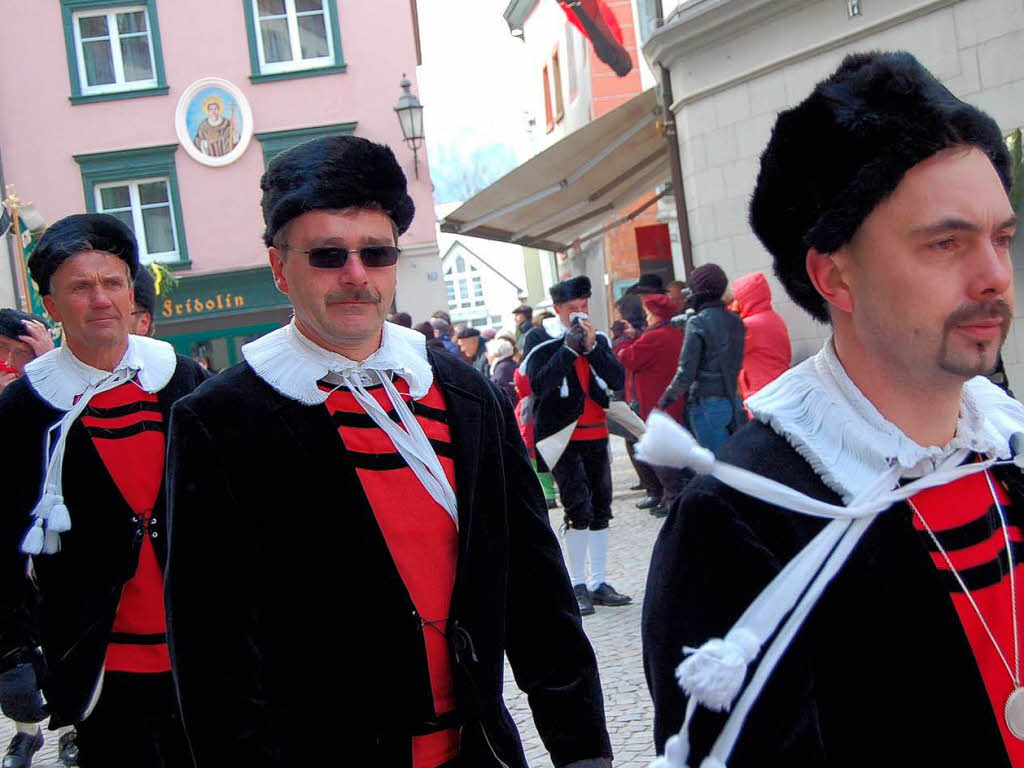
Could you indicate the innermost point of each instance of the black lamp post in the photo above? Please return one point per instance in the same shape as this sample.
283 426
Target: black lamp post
410 116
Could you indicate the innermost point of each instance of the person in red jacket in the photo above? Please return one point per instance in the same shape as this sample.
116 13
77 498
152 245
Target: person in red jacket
766 350
650 362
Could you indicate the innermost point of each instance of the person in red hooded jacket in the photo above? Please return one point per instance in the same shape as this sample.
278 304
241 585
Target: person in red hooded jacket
766 350
650 362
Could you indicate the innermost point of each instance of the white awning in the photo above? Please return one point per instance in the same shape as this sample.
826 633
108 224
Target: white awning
600 171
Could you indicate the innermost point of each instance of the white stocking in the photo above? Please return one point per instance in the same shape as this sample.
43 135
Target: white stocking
598 557
576 554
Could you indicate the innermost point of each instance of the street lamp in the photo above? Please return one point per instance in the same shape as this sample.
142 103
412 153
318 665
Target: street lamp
410 115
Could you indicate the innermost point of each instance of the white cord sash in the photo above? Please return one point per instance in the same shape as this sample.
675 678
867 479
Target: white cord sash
412 443
51 514
713 674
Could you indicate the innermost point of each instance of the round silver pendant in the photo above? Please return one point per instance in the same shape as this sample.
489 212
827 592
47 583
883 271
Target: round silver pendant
1013 712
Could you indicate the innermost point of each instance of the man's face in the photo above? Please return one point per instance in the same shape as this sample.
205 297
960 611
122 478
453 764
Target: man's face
675 292
929 272
15 353
213 110
566 308
468 346
92 295
339 308
142 321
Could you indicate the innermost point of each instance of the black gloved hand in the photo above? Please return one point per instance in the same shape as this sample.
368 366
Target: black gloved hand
576 339
20 699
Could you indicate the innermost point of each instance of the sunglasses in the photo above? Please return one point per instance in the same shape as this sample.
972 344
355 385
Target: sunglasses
372 256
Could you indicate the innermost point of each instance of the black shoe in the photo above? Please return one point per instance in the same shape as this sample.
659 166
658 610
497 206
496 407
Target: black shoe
659 511
67 749
638 487
647 502
583 599
605 594
24 745
552 504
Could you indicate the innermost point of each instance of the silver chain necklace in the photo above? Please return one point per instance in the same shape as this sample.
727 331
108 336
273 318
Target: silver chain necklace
1013 710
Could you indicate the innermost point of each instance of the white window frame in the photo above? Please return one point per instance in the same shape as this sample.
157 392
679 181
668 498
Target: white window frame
296 64
119 84
137 223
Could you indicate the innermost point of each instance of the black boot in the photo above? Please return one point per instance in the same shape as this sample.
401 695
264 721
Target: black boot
647 502
67 749
605 594
22 747
583 599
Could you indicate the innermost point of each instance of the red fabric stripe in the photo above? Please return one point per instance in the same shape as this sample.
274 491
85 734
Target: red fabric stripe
423 543
136 465
122 421
951 506
592 424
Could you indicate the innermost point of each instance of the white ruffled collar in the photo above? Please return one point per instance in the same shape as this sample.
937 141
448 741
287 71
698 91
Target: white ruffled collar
58 377
292 364
848 443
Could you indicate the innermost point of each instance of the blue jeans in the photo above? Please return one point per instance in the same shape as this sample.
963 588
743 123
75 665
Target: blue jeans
709 420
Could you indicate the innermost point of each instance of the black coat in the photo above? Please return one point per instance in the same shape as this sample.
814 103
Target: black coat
711 357
80 586
880 674
287 614
549 363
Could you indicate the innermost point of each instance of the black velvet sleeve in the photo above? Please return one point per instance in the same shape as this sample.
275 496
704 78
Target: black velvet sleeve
211 615
607 365
550 655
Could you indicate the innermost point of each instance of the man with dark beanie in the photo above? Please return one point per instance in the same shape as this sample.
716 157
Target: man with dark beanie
145 303
384 542
572 369
710 362
23 338
873 510
84 505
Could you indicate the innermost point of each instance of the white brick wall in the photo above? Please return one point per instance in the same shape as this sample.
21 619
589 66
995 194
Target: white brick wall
975 46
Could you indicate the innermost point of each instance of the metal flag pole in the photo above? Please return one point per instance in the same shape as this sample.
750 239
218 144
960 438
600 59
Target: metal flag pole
14 205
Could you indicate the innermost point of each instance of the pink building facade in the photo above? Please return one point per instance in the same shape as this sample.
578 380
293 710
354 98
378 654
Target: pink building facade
91 91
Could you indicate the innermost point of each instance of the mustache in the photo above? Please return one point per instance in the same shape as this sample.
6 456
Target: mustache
354 293
973 311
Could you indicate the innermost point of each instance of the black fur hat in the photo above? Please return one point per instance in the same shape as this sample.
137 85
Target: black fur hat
840 152
573 288
12 323
334 172
71 235
145 290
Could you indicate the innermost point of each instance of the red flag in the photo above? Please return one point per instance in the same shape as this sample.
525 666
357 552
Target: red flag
598 23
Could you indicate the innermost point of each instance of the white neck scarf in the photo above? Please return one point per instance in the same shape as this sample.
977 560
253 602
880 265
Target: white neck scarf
293 365
59 377
861 456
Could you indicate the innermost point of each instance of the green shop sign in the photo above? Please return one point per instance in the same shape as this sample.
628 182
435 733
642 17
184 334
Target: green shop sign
223 293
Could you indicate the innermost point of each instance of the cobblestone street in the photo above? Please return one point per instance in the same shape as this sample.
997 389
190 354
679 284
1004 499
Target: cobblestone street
614 632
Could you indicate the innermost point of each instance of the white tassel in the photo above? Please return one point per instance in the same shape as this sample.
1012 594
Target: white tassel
713 674
58 519
564 391
712 762
667 444
33 541
51 542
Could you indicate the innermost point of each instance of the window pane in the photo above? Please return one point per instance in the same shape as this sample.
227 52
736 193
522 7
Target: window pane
276 46
134 21
309 5
478 288
93 26
270 7
99 66
159 234
135 59
114 197
312 36
153 192
126 217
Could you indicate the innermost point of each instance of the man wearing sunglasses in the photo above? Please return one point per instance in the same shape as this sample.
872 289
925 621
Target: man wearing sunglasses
356 531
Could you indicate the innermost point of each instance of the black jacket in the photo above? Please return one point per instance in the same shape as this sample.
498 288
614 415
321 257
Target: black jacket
286 612
549 364
80 586
711 357
880 674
